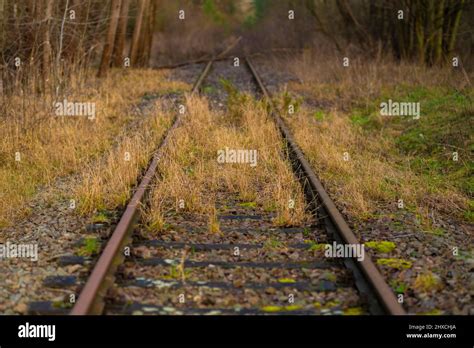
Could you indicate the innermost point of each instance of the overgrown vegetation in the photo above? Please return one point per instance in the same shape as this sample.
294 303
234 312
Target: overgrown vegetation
190 171
369 160
36 153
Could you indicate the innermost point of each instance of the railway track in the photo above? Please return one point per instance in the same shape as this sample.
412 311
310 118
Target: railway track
252 280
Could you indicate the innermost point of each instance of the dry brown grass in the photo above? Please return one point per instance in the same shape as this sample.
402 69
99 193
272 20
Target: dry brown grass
377 174
324 77
57 146
190 170
374 176
107 184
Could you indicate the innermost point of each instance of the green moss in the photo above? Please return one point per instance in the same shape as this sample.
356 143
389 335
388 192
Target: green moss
353 311
248 204
432 312
398 286
381 246
286 280
102 217
90 246
209 89
318 115
317 246
330 276
62 305
176 272
364 120
293 307
273 244
273 309
438 231
327 305
395 263
270 207
288 99
306 232
224 208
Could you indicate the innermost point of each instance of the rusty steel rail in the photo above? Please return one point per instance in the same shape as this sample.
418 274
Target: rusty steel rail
382 290
90 298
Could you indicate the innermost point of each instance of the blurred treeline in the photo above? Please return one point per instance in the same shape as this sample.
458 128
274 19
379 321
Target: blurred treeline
47 40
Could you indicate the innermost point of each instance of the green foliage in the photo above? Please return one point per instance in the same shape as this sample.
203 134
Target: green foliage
398 286
319 115
445 120
235 99
330 276
313 246
306 232
288 99
270 207
259 8
273 309
101 217
273 244
210 9
469 214
90 246
353 311
327 305
365 120
395 263
62 305
381 246
249 205
445 126
209 90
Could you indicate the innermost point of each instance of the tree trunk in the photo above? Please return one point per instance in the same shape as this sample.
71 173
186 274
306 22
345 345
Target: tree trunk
137 31
83 57
121 34
2 41
141 59
151 32
47 51
420 34
454 27
109 41
438 42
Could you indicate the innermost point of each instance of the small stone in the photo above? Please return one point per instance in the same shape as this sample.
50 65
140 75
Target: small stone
73 268
270 291
21 308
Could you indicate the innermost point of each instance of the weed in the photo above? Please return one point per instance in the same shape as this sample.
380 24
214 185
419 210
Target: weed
427 282
91 246
395 263
101 217
381 246
250 205
273 244
353 311
398 286
313 246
